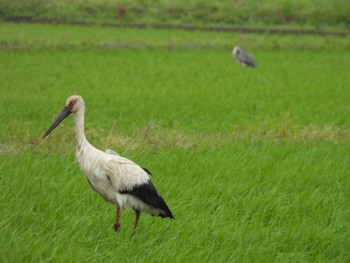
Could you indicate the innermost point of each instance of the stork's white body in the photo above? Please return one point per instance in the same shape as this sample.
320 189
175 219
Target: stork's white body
117 179
108 174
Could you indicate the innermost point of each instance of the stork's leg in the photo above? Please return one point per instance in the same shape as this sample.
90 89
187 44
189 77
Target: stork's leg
137 217
117 223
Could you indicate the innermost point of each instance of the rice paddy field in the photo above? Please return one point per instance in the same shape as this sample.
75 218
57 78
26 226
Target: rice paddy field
254 163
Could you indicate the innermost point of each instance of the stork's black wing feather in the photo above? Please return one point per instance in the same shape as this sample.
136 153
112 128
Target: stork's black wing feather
149 195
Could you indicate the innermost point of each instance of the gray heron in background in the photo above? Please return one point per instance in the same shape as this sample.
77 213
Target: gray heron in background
243 57
117 179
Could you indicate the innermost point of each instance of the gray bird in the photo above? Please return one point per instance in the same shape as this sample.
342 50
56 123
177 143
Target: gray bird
243 57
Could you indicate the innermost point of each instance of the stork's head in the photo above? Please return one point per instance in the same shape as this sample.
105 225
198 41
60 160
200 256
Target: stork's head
73 104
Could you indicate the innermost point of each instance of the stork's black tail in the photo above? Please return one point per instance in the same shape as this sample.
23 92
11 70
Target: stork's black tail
148 194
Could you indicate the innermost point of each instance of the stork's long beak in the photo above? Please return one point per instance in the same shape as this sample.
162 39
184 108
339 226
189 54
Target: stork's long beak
64 113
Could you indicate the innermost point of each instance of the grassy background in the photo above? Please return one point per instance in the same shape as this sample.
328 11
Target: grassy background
316 13
253 163
64 37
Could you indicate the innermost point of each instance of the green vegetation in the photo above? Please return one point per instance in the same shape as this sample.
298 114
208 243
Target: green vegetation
253 163
64 37
317 13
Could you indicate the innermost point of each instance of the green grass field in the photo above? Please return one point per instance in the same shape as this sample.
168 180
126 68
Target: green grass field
309 13
253 163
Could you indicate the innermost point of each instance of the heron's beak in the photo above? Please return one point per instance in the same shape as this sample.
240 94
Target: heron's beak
64 113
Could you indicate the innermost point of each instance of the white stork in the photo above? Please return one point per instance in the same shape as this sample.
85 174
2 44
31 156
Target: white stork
243 57
117 179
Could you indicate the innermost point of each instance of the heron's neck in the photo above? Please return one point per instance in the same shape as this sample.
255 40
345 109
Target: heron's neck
79 128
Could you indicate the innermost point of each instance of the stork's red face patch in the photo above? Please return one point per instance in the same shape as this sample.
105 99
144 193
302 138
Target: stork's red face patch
71 104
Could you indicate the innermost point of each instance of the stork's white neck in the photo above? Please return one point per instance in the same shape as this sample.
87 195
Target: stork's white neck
79 128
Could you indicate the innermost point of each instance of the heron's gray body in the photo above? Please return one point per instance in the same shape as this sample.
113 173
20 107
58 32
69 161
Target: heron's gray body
243 57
